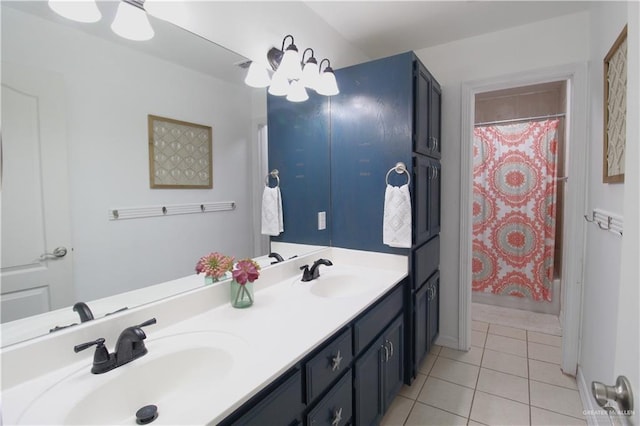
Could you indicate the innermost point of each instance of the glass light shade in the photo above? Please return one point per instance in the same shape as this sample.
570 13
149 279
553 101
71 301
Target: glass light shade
77 10
297 92
132 23
327 84
290 65
257 76
279 84
310 75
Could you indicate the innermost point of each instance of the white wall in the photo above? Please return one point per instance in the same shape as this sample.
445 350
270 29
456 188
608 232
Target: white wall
601 298
108 97
554 42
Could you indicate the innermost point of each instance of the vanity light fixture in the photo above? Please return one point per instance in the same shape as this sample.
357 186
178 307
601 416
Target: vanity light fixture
257 76
327 84
279 85
297 92
79 10
291 74
310 70
290 63
131 21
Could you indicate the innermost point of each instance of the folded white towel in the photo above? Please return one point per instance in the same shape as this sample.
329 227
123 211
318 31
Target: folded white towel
396 229
272 223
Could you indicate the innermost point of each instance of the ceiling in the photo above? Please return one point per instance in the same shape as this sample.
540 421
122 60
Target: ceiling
383 28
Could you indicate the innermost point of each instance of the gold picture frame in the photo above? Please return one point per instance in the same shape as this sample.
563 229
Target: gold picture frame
180 154
615 110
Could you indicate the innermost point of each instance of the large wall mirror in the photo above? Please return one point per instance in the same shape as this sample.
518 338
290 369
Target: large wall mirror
80 96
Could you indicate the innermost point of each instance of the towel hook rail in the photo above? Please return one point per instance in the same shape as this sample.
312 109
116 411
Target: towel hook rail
399 168
273 174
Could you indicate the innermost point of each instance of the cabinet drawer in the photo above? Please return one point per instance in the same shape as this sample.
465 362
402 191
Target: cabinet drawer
371 324
328 364
335 409
281 406
426 261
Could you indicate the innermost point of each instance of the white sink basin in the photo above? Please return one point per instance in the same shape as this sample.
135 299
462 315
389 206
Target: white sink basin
340 282
177 370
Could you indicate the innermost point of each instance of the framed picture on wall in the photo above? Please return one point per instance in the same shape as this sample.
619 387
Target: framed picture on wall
180 154
615 110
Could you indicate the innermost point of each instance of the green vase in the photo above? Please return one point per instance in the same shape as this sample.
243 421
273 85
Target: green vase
241 294
210 280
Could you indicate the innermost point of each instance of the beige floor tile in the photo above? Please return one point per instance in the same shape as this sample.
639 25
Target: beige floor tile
455 372
398 412
435 350
447 396
514 333
472 356
493 410
478 338
505 363
425 415
545 353
555 398
550 373
413 391
540 417
480 326
427 364
474 423
507 345
504 385
546 339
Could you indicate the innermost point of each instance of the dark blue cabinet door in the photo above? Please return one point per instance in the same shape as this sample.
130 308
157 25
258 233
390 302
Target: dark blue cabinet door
420 339
434 308
371 130
435 118
394 363
299 149
368 386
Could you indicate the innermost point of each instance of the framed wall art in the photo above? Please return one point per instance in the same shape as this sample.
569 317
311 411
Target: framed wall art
615 110
180 154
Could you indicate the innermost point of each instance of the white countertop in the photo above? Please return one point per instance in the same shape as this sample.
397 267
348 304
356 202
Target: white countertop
285 323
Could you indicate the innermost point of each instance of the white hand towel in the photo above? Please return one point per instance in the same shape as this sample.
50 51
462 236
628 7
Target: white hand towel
396 229
272 223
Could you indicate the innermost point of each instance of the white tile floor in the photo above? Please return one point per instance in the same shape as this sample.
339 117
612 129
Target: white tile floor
511 376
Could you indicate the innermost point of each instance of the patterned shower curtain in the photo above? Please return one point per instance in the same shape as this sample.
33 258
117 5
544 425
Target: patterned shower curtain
514 209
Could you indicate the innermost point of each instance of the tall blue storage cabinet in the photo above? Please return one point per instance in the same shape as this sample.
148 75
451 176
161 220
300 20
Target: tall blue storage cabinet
388 111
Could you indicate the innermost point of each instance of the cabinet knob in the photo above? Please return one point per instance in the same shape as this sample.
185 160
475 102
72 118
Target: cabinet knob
337 417
335 361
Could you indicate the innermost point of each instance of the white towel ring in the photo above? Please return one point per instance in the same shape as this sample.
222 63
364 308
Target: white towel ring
274 174
399 168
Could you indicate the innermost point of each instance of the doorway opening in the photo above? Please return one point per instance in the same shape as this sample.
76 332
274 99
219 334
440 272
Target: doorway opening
519 165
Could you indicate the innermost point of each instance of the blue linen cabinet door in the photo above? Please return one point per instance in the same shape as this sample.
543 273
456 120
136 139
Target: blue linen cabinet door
371 130
298 135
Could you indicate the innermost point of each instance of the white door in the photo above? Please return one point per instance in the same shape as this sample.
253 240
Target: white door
35 194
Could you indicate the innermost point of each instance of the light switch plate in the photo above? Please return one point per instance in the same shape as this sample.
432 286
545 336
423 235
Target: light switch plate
322 221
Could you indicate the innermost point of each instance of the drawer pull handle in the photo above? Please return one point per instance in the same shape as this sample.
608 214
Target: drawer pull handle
391 348
335 361
386 352
337 417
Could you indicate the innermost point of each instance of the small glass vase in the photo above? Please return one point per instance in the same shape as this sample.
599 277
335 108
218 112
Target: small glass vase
241 294
210 280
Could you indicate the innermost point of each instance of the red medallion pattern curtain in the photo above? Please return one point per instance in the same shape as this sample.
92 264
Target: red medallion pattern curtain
514 209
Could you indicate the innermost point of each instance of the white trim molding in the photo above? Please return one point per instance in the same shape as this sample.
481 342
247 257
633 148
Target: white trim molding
577 95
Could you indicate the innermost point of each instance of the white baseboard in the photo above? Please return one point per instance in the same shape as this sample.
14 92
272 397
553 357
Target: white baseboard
593 413
448 342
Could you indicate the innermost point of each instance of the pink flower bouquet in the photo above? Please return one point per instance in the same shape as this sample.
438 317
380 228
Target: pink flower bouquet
214 265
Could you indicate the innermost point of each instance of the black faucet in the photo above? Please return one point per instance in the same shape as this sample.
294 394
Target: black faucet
314 272
130 346
83 310
277 257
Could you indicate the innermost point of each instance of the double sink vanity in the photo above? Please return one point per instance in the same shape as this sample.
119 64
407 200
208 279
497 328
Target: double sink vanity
325 351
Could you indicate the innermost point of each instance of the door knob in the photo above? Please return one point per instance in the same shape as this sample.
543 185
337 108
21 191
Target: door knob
57 252
619 393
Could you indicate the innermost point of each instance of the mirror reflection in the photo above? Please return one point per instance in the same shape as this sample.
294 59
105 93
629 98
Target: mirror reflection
76 97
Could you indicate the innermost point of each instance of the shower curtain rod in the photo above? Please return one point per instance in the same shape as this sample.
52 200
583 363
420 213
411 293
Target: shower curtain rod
516 120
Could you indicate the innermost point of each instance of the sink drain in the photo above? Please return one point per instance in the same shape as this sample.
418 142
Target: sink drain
146 414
